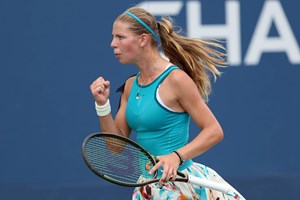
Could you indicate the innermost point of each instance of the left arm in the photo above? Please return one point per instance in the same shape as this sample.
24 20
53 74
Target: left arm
186 93
192 102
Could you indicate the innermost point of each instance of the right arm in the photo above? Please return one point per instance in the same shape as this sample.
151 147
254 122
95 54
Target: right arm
100 89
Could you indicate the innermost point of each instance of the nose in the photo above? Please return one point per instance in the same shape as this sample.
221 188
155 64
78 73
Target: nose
113 44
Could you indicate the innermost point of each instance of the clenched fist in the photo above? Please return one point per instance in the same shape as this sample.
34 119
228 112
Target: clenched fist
100 89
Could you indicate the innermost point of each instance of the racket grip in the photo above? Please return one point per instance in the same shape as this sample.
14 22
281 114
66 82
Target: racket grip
222 187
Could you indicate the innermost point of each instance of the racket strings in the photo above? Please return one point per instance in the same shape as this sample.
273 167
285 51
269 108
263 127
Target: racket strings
116 158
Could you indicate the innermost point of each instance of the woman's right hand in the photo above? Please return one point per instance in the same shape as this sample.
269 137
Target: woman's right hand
100 89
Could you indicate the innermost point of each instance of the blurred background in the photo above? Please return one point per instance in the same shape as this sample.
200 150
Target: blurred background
51 51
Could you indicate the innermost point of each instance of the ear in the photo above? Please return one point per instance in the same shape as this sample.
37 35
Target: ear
144 39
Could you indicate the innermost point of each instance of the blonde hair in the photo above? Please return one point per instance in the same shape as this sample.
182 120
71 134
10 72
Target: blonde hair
137 27
197 57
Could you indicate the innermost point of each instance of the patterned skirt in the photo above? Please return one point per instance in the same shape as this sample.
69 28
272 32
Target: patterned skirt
185 191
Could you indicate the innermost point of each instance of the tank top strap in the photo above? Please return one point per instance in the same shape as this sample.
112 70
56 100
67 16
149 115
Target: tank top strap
166 73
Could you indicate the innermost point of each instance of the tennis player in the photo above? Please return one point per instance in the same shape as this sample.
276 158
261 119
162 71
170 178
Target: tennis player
159 101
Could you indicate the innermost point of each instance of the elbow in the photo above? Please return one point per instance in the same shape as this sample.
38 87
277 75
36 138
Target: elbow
219 134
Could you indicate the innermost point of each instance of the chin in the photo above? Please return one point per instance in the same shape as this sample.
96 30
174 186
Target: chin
124 62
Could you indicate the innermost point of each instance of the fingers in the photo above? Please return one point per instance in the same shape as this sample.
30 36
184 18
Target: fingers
174 175
100 86
155 168
169 169
168 175
106 83
98 89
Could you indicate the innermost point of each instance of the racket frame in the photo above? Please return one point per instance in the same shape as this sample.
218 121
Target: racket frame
108 178
224 188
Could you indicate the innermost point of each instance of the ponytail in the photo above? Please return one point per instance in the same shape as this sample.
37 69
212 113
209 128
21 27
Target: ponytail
197 57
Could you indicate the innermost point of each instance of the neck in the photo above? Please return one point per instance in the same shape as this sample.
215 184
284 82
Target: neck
151 66
147 78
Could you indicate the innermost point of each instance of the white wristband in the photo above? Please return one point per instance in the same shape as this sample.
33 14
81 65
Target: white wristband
103 110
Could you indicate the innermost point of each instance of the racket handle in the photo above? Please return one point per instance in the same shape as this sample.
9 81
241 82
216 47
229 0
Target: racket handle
221 187
205 183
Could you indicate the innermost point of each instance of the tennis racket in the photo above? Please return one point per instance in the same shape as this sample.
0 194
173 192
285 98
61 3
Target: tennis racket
122 161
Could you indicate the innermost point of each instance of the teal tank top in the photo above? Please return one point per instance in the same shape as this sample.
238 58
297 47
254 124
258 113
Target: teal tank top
158 129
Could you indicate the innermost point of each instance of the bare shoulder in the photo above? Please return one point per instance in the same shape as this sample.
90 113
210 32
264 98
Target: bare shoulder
128 85
179 78
129 82
183 85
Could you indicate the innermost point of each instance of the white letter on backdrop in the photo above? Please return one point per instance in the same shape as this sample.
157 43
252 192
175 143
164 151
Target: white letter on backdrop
230 30
260 42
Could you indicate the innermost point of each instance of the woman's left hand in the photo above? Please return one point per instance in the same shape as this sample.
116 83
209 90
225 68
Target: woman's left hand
170 164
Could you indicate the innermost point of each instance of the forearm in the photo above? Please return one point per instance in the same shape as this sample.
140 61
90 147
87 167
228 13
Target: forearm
106 120
205 140
107 124
115 126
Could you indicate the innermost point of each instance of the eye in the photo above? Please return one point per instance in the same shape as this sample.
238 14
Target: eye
120 37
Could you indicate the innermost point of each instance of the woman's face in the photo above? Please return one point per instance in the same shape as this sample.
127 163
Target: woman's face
125 43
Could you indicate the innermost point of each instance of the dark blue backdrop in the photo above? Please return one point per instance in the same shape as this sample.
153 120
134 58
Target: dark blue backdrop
51 51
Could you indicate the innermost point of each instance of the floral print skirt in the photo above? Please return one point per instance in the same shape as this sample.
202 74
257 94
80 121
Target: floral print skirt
185 191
